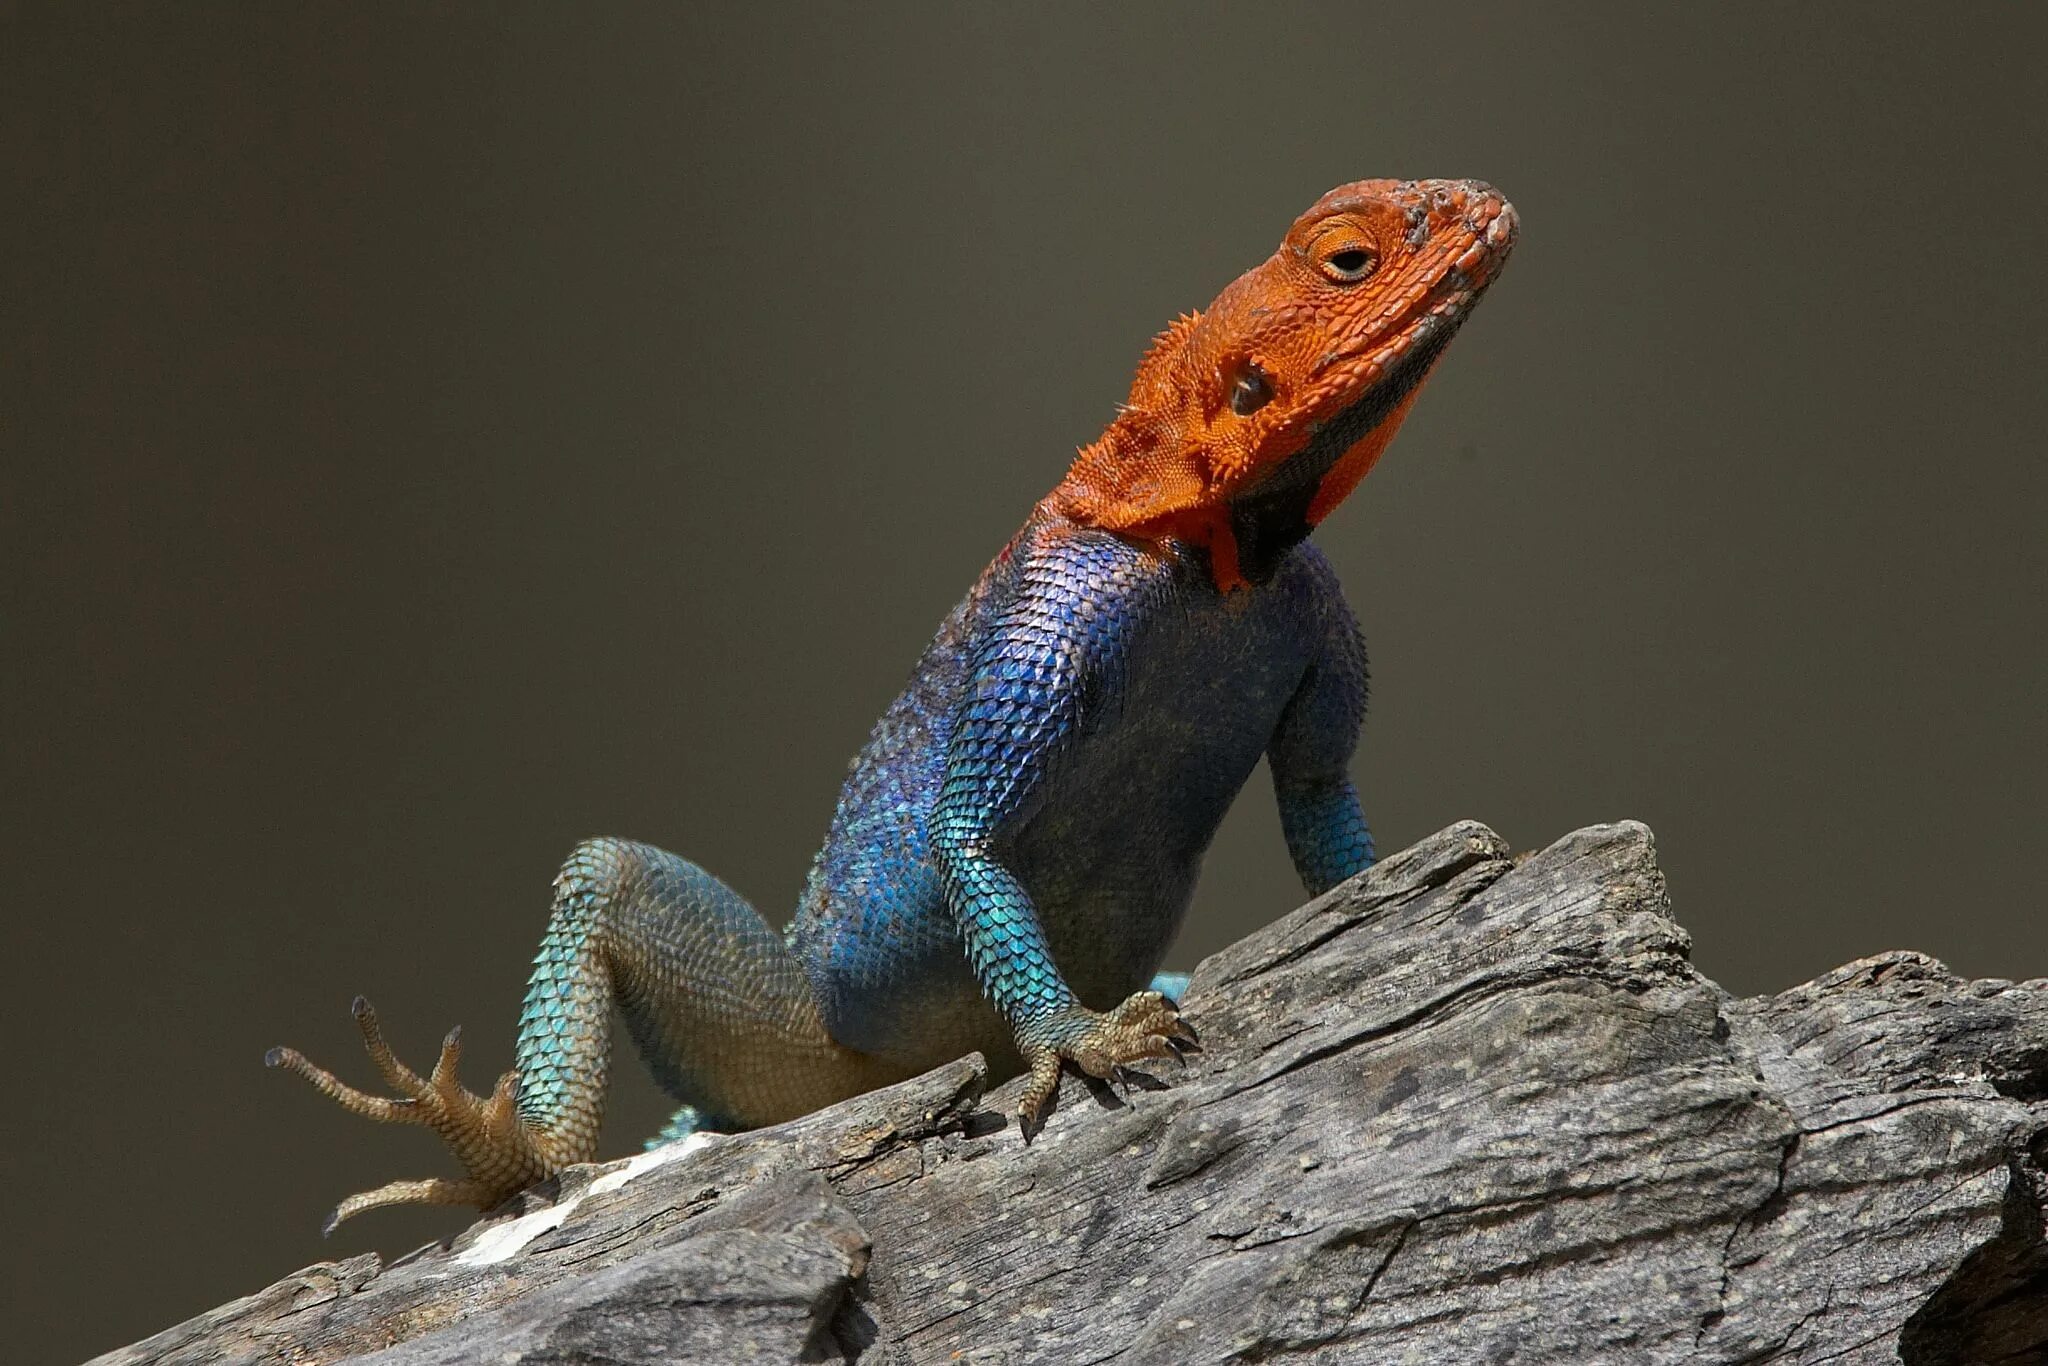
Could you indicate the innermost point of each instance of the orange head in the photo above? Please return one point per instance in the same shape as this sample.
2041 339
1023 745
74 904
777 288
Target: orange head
1249 422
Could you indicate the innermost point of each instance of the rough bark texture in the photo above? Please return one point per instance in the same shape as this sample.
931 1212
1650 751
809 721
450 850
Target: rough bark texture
1459 1109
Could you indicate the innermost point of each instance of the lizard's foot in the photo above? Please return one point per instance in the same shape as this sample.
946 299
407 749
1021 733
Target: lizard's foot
499 1153
1146 1025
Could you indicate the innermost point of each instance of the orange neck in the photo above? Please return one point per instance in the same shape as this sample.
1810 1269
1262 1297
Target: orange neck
1133 483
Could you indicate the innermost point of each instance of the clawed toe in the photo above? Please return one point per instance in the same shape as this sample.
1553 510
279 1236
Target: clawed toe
499 1154
1146 1025
433 1191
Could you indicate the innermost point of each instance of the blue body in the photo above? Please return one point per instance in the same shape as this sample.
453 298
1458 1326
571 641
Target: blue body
1043 791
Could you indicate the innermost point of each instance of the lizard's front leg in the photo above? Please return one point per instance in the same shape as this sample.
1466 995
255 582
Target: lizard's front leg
1311 747
1045 659
721 1010
1007 949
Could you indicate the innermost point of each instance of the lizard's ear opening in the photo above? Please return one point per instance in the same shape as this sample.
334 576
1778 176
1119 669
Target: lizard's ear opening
1250 387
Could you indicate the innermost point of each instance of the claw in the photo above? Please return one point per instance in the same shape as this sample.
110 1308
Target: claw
1038 1092
443 1079
500 1154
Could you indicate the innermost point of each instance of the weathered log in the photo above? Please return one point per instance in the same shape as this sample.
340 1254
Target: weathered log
1462 1108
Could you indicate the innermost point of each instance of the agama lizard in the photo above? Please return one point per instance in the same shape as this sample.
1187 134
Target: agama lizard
1022 831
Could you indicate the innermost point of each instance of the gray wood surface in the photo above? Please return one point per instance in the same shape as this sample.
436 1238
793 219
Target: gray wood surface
1462 1108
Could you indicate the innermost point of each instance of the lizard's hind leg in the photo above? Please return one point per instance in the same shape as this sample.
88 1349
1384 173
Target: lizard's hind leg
721 1009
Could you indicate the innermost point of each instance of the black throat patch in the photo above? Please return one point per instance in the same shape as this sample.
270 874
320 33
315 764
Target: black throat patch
1271 518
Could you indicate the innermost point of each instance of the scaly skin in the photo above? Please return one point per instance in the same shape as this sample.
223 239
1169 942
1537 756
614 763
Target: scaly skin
1021 834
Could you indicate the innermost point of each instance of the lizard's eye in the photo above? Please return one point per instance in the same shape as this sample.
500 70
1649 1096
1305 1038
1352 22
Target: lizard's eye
1348 265
1251 390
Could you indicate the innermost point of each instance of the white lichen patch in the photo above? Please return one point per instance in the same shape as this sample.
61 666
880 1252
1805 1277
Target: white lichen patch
505 1240
500 1241
646 1162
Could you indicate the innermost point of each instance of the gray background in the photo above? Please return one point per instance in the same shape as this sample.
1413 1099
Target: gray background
434 439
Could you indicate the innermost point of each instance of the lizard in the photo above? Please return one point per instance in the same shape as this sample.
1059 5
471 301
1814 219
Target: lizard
1021 834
